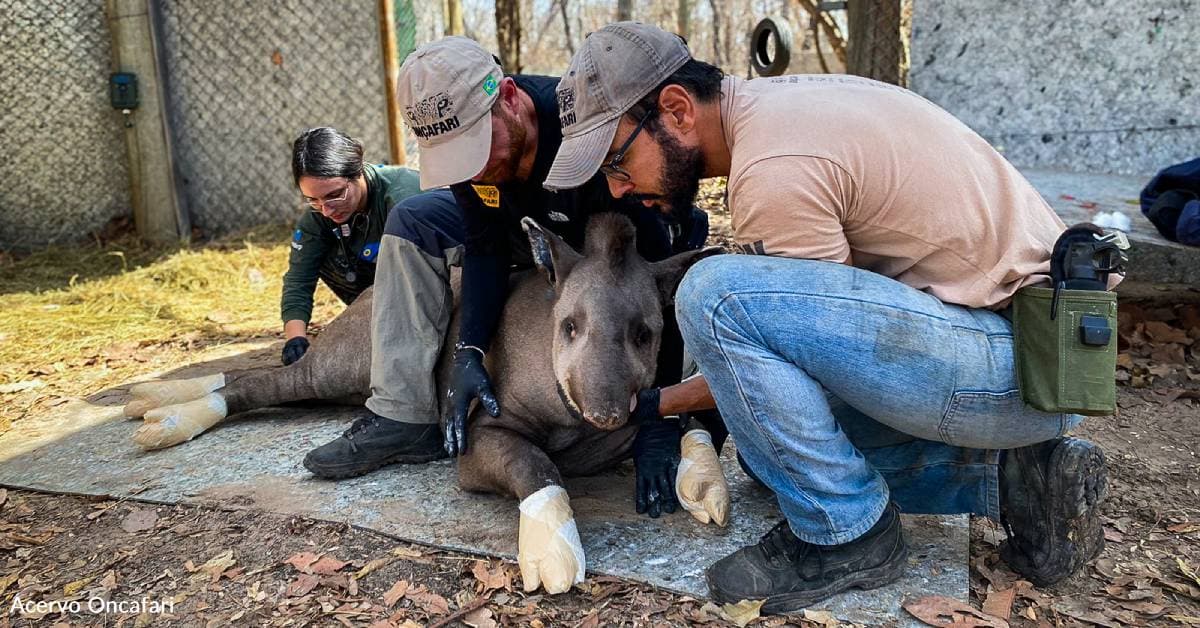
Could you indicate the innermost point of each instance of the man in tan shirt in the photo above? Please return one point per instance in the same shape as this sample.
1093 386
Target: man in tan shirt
860 355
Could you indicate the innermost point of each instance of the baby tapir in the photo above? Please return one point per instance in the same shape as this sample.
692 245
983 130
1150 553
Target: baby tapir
576 341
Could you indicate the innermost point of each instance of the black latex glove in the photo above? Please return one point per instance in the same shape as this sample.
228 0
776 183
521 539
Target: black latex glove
656 458
468 381
294 349
646 410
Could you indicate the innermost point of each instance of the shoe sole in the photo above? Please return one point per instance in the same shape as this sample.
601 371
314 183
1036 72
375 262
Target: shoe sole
873 578
1079 482
342 473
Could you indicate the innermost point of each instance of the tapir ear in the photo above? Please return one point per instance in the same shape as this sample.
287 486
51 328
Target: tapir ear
669 272
551 253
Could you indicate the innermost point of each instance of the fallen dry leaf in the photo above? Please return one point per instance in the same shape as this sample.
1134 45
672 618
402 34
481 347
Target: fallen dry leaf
327 566
591 621
1184 528
71 588
372 566
1078 609
479 618
999 603
215 566
109 581
937 610
139 520
392 595
302 561
743 612
825 618
492 579
3 496
1187 570
305 583
6 581
431 602
1184 619
1162 332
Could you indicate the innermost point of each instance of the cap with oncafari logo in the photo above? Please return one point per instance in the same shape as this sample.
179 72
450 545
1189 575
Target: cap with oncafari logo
446 90
614 68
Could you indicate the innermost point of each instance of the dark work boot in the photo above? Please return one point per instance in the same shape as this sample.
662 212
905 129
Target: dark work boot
372 442
792 574
1050 496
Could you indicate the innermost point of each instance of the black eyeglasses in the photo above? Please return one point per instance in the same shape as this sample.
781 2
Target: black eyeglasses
612 169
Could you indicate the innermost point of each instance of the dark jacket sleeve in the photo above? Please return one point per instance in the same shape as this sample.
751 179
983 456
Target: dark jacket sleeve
485 269
309 248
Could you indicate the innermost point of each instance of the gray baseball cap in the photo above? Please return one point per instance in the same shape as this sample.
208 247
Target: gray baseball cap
446 90
614 68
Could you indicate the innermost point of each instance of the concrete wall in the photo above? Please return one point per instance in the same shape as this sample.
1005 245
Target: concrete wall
63 170
1098 85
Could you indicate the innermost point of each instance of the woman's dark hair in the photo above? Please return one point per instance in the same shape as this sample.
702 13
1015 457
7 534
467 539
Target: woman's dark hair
326 152
700 79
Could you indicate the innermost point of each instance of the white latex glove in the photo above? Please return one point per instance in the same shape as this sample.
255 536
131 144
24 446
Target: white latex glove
549 551
174 424
699 483
150 395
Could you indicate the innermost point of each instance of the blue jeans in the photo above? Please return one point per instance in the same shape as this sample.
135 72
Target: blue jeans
843 388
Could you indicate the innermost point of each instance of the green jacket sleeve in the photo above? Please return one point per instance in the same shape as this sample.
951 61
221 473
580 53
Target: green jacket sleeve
309 248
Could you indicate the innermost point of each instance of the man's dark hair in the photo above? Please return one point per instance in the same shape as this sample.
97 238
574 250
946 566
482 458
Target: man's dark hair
700 79
326 152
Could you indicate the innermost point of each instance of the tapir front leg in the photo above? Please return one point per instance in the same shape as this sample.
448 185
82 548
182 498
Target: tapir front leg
548 548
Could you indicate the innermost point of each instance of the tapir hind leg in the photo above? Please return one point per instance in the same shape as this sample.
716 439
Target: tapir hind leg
336 367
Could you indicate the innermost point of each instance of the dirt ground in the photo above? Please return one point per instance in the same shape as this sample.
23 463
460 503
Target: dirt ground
240 567
253 568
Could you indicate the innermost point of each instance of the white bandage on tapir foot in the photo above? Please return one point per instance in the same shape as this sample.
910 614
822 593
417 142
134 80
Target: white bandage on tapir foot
699 483
549 551
174 424
150 395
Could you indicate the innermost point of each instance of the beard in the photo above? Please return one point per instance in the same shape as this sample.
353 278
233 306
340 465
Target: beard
679 177
505 168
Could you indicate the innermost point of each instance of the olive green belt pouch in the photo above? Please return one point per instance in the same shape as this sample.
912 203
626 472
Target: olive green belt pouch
1066 352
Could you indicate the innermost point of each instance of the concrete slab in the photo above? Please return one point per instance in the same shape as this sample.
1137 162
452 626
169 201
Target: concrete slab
1077 197
254 462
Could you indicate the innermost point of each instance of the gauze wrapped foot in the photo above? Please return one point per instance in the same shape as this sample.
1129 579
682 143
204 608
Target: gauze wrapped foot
548 547
699 483
150 395
174 424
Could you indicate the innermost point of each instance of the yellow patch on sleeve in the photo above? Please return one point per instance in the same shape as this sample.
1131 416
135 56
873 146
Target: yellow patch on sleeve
489 194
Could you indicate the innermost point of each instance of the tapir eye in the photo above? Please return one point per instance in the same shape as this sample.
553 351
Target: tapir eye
568 327
641 334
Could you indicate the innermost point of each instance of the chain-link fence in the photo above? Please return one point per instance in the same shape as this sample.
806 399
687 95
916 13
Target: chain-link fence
877 48
243 80
63 170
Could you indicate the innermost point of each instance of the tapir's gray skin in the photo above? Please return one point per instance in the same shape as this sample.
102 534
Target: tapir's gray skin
576 340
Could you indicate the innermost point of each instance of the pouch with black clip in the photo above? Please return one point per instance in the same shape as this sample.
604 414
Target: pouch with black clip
1066 363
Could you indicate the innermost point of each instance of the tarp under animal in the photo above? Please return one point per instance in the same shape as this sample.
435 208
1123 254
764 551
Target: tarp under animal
1172 202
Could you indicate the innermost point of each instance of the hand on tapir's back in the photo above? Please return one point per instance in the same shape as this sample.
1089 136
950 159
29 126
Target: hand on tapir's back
294 349
468 381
